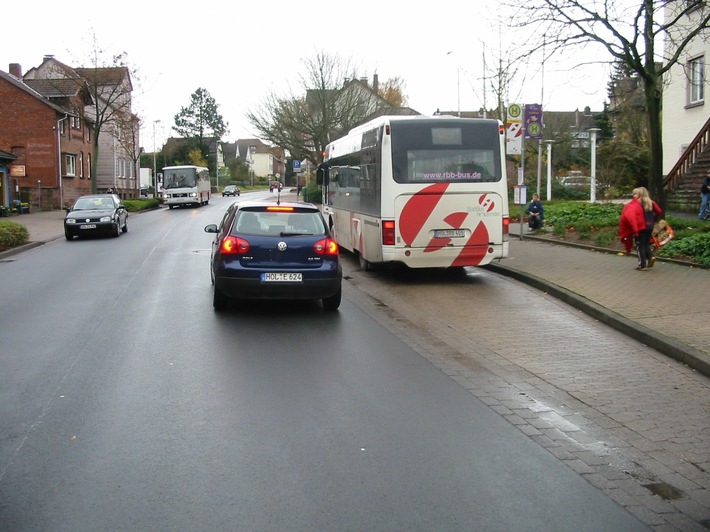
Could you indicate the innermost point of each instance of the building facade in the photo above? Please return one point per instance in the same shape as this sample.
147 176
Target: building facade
684 110
50 143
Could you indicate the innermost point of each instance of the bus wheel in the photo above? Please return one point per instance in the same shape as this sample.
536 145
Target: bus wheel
365 265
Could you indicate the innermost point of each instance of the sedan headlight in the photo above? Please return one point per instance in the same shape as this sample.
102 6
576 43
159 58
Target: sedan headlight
70 221
106 219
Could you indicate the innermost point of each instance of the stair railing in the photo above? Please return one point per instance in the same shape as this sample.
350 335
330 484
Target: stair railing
688 158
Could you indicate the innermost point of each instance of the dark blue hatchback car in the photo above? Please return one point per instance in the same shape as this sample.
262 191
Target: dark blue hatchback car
265 250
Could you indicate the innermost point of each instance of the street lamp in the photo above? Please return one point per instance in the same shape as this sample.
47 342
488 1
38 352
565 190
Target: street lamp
549 169
155 174
458 87
593 184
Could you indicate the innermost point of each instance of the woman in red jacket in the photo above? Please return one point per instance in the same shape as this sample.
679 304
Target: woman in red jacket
637 219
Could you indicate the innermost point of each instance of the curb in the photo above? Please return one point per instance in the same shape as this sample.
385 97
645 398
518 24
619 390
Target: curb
19 249
685 354
610 251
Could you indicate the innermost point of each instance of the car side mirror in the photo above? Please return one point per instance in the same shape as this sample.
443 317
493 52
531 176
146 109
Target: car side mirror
211 228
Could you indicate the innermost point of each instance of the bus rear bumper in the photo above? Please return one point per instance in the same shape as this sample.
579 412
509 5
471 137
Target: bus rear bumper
446 257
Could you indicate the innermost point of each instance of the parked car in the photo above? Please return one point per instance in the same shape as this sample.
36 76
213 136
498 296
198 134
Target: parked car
265 250
96 214
275 185
231 190
583 182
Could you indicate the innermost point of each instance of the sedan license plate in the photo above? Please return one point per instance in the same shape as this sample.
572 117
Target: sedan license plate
87 226
281 277
449 233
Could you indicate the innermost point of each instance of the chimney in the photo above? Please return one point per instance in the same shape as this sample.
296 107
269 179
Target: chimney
375 83
16 70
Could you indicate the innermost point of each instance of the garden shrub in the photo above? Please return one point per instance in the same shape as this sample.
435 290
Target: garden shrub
12 234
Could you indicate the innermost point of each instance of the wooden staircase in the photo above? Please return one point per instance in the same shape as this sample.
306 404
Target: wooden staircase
682 184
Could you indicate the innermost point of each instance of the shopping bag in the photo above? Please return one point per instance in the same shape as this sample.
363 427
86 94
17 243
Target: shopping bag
662 234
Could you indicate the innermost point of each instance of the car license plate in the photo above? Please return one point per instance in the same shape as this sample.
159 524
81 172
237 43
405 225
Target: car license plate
87 226
281 277
449 233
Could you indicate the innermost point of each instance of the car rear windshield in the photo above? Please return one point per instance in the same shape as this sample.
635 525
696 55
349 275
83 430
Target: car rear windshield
291 222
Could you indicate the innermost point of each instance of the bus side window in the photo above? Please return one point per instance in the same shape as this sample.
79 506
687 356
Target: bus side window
322 174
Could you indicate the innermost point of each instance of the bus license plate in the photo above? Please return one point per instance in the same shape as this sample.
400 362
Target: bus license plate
281 277
87 226
449 233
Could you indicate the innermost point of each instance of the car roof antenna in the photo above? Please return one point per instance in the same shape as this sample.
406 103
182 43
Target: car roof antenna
278 196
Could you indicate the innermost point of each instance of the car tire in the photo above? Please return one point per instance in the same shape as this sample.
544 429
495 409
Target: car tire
219 300
68 236
125 227
333 302
117 232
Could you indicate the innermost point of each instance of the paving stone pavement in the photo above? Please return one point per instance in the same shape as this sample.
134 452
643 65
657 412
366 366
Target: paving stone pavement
633 419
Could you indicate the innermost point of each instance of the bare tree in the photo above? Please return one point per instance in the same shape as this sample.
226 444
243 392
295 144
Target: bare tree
330 103
628 32
109 80
127 132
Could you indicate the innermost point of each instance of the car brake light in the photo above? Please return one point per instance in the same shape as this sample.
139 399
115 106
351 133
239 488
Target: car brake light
506 228
278 208
327 246
388 233
233 245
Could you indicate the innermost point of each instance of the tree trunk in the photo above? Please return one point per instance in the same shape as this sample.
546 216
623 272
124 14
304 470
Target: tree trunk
655 178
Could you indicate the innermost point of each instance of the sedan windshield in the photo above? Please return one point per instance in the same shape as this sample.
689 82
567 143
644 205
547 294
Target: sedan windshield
90 204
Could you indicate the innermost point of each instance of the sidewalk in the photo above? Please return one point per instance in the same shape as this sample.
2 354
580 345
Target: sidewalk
665 307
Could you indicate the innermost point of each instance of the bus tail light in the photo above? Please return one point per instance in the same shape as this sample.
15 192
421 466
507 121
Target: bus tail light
233 245
327 246
506 228
388 232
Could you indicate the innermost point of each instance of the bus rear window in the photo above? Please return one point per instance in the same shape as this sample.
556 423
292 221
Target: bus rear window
450 152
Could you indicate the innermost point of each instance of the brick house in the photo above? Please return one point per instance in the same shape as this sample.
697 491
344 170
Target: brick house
49 143
110 92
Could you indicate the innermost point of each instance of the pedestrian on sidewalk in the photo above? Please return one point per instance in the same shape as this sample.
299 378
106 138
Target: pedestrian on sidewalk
704 197
637 219
536 213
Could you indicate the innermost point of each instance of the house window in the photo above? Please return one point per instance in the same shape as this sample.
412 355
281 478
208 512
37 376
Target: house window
70 161
696 79
120 168
88 165
81 165
75 122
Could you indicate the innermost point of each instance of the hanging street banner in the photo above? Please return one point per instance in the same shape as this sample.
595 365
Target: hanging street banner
533 121
514 130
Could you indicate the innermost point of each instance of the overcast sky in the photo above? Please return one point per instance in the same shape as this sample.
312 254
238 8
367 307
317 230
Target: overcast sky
240 51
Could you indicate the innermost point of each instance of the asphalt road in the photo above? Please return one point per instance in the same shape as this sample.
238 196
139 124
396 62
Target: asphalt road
127 403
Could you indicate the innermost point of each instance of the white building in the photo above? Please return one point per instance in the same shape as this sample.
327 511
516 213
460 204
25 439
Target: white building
685 111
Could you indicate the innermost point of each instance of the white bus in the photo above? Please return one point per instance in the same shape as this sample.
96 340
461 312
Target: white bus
186 185
422 191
